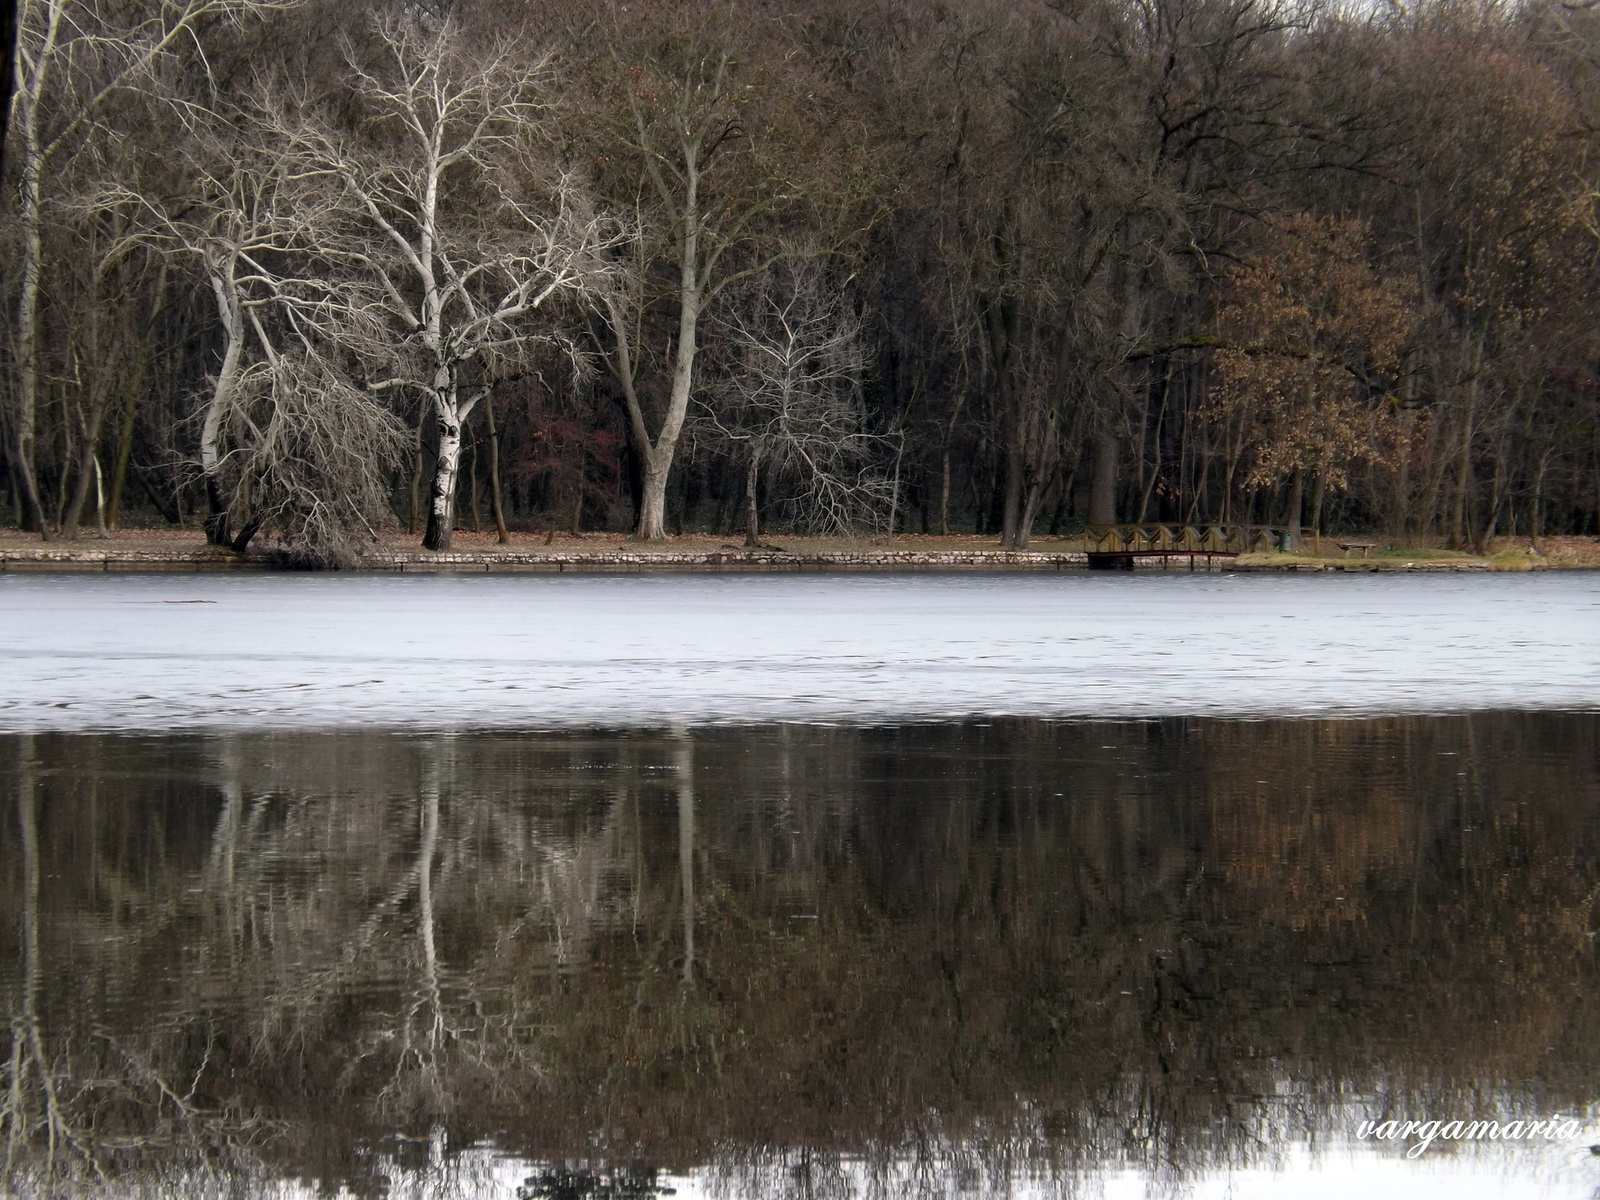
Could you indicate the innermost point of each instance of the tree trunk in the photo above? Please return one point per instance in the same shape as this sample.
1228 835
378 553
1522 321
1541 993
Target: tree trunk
1296 510
1402 497
169 513
10 14
635 465
1127 379
1536 521
64 475
119 474
894 495
1002 320
472 486
442 501
1458 519
88 474
89 459
752 534
1319 492
944 490
1030 513
415 508
997 496
653 501
652 520
657 454
1011 512
1201 481
1496 497
100 501
496 503
28 321
1103 479
130 406
228 310
1594 462
1148 484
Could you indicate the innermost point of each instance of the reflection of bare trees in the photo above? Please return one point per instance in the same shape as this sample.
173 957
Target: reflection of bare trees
32 1106
822 962
82 1104
685 764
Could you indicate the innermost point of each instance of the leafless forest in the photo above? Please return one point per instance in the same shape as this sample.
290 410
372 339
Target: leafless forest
317 271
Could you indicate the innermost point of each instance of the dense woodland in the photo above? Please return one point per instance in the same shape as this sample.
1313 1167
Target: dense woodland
319 271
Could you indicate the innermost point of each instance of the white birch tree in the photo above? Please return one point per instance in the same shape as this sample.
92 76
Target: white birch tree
459 220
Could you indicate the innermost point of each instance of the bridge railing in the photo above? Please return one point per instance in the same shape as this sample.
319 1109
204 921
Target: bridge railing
1170 538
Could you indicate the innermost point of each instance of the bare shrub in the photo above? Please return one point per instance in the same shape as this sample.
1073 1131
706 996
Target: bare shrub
309 459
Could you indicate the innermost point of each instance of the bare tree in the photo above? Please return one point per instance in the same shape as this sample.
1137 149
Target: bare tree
675 161
71 58
792 402
460 220
287 440
722 145
239 217
104 352
311 456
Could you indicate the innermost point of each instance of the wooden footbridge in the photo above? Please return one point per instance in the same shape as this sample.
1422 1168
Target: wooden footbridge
1114 547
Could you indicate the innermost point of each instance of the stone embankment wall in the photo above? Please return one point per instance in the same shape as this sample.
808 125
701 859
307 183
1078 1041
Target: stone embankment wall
621 560
634 558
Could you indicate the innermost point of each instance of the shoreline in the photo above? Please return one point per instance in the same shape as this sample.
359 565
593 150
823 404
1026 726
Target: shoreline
168 554
597 561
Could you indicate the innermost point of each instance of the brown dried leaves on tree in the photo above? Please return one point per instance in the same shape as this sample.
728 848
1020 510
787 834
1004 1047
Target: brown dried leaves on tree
1313 338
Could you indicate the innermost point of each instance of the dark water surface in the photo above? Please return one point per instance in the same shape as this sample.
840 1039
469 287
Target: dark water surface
1013 957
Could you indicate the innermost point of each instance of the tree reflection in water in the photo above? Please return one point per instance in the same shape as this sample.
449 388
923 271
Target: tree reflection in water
802 961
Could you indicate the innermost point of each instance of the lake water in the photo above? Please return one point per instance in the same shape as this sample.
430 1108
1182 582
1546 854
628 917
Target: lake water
797 886
209 651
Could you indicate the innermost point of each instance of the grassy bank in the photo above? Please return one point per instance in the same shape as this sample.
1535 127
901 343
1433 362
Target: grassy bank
1504 554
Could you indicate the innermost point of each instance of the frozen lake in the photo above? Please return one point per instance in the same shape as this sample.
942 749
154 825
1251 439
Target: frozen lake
158 652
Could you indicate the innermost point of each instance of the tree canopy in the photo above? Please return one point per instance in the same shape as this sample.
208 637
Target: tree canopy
1078 261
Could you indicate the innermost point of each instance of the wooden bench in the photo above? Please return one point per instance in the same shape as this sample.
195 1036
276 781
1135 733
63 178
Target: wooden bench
1361 546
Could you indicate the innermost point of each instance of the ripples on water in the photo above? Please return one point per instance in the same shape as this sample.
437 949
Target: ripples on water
993 956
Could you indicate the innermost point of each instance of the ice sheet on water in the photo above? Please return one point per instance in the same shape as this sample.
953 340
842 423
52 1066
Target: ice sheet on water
457 651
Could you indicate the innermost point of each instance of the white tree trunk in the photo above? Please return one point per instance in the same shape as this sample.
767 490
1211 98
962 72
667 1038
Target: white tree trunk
442 505
28 314
228 309
657 453
658 458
